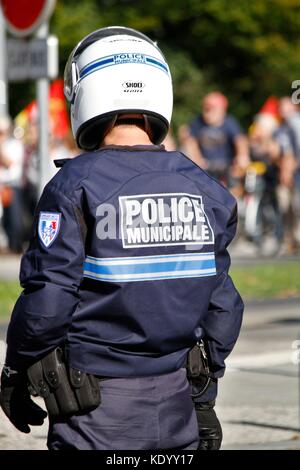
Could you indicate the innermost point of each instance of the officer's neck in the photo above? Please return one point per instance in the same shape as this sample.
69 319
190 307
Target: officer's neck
126 134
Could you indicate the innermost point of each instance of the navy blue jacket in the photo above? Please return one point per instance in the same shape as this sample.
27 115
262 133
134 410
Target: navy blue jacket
128 266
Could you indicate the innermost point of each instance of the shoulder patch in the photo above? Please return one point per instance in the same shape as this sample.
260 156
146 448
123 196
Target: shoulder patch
49 225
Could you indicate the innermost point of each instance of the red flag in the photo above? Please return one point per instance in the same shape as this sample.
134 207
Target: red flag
58 114
271 106
59 118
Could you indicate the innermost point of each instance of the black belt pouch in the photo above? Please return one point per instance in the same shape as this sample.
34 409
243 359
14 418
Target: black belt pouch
66 391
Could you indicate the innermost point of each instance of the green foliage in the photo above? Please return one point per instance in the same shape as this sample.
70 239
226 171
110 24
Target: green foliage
247 49
71 22
270 280
9 292
189 85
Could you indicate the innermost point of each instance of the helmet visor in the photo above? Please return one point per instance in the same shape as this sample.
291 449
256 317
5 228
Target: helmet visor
70 78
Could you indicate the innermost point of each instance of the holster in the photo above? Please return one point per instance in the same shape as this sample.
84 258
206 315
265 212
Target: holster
66 391
197 368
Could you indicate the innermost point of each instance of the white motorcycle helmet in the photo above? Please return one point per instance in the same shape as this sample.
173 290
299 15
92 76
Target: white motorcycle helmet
115 71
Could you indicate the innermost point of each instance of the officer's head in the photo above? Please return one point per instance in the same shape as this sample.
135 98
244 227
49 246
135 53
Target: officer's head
115 72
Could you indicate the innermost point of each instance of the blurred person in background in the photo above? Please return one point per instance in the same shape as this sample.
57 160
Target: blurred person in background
262 144
265 148
188 145
217 143
61 143
288 137
263 179
30 173
61 147
11 168
169 141
58 147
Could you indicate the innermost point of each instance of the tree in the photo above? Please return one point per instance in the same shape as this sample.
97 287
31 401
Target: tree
247 49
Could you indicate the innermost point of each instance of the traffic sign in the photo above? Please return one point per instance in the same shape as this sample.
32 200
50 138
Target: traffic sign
33 59
23 17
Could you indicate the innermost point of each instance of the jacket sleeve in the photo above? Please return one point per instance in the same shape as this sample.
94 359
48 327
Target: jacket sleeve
223 321
50 275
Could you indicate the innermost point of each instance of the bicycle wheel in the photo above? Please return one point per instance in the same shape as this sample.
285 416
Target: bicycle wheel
269 229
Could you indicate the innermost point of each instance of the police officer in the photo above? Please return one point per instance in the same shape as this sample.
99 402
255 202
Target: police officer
127 267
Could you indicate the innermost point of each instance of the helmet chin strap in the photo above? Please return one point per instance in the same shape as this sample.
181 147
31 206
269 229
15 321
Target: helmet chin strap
110 125
148 127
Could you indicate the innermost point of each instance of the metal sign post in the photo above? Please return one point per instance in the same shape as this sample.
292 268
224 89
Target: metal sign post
3 79
43 113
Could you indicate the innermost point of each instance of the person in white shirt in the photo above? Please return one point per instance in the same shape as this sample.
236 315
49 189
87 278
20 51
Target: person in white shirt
11 169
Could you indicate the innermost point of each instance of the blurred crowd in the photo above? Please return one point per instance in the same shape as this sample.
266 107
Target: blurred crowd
19 178
267 153
214 140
